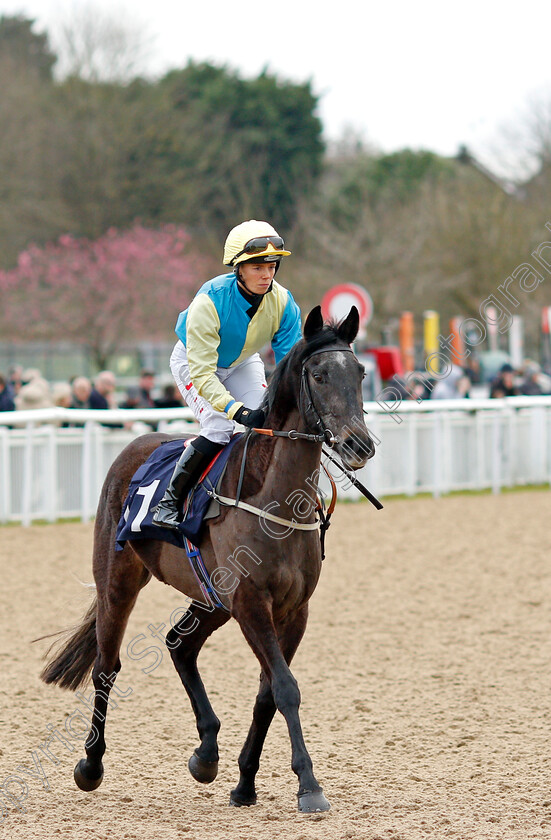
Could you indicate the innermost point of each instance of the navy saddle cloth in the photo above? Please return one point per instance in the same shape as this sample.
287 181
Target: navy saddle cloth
147 489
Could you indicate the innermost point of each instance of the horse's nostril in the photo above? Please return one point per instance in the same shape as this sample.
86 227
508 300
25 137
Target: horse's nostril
359 447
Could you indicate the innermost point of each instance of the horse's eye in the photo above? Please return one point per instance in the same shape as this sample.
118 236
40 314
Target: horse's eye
317 377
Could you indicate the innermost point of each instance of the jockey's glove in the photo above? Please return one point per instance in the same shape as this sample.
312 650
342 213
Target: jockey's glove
251 417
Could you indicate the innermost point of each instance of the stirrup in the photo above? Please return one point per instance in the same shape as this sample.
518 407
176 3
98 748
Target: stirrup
166 516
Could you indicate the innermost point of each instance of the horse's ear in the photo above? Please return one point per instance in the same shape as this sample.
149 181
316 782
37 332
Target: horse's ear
313 323
348 329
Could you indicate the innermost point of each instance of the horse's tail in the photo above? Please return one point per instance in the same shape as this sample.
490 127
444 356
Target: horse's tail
70 667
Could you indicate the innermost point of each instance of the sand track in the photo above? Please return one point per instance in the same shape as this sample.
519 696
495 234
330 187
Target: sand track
425 675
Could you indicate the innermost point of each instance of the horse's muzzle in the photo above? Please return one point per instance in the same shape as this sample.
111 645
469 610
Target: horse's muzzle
355 450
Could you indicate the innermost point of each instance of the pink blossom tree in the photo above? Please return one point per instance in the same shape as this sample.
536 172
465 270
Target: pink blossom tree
122 287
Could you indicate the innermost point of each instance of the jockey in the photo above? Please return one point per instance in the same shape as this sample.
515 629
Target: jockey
216 363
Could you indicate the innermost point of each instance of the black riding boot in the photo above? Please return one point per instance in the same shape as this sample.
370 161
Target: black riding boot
193 460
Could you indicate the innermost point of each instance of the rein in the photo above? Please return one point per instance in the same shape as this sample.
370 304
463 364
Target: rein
358 484
292 434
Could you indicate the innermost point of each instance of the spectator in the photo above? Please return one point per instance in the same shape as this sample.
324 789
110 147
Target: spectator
15 377
455 386
171 397
413 387
504 383
29 374
398 385
62 395
103 392
133 398
6 397
61 398
421 387
145 386
34 394
472 369
81 390
530 385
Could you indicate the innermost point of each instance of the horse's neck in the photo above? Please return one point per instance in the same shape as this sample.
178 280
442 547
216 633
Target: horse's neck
294 464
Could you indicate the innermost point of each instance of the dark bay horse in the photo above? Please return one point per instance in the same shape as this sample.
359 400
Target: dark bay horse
263 579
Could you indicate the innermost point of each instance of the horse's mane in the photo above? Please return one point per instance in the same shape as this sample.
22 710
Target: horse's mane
325 337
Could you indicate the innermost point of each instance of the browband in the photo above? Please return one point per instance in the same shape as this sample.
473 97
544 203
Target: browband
328 350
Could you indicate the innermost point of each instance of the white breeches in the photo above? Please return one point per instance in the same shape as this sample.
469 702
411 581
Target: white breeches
246 383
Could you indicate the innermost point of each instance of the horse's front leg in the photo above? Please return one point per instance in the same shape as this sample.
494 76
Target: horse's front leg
263 713
253 612
184 642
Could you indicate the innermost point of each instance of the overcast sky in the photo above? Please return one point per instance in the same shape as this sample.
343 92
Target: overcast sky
430 74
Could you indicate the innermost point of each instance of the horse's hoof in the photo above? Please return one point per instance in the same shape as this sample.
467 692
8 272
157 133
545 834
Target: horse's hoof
241 801
85 778
202 771
312 801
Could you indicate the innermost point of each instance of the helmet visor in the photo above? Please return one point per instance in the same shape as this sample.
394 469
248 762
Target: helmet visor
258 245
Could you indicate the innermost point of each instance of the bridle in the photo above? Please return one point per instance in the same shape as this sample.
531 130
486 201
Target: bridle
305 395
325 435
307 405
306 398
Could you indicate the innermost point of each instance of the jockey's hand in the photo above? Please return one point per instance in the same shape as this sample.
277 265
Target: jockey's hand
251 417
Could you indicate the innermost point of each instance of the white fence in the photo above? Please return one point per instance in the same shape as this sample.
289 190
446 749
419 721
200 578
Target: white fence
50 472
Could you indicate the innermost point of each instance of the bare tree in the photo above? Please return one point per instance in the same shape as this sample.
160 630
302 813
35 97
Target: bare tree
523 146
445 246
99 45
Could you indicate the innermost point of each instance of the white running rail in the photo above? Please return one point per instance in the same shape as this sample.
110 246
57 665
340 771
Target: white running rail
49 472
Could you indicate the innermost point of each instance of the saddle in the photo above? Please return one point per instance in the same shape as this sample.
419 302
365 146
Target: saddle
147 488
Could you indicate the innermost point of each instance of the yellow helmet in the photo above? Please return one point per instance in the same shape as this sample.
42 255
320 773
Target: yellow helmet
253 240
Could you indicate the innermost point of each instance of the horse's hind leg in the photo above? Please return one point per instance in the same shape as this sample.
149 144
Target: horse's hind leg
114 607
263 713
184 642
